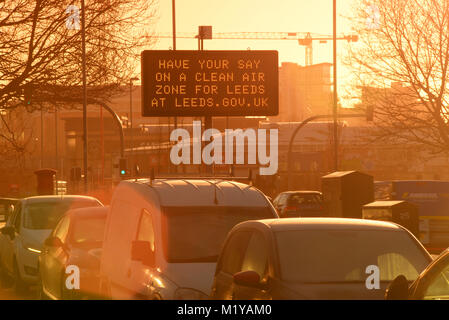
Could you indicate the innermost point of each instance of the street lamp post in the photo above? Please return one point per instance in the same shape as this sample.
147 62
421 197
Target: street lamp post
131 120
83 58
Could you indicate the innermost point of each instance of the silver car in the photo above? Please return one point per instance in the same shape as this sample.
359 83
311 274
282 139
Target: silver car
22 238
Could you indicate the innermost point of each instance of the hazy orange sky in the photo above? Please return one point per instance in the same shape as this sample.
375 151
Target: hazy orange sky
313 16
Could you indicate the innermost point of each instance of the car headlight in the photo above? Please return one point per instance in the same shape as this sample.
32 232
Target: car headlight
190 294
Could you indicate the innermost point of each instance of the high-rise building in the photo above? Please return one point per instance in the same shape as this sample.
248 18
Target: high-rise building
304 91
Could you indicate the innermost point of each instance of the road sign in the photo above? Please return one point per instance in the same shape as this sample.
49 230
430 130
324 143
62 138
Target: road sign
209 83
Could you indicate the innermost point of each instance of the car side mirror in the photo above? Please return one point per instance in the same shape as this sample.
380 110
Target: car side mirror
53 242
247 278
398 289
9 231
141 251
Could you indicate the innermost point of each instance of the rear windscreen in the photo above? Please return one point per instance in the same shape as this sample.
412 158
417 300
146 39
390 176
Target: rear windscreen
196 234
45 215
326 256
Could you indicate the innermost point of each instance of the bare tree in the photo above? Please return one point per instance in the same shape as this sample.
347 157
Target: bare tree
40 49
401 63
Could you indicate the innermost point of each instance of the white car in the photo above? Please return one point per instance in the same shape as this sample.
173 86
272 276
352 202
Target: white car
22 238
163 237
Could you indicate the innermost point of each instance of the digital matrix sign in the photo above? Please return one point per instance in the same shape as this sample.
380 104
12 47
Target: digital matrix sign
209 83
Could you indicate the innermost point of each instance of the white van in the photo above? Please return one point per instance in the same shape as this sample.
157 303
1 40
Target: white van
163 236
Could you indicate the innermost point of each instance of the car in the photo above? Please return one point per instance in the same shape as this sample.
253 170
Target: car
163 236
22 238
432 283
299 204
77 242
315 258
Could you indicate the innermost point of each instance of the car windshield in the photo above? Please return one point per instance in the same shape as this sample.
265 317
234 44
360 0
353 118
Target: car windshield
88 231
196 234
327 256
305 198
45 215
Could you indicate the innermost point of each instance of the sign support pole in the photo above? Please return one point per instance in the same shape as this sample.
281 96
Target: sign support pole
207 119
174 42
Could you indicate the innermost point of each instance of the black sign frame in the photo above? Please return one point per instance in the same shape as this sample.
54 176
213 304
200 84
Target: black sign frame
190 83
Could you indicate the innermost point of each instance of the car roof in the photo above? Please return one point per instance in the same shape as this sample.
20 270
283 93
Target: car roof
302 191
203 192
88 212
56 198
288 224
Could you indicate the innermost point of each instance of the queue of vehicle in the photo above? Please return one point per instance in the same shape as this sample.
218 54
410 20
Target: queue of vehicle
209 239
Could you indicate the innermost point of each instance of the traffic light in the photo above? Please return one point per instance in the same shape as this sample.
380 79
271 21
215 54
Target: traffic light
123 168
28 94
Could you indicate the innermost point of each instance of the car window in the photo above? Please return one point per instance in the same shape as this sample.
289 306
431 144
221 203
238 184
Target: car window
298 199
145 231
344 255
196 234
256 256
282 199
12 217
46 214
392 264
18 218
439 286
276 200
62 229
5 211
87 231
233 253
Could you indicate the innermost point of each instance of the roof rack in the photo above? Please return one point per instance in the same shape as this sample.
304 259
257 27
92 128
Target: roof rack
248 178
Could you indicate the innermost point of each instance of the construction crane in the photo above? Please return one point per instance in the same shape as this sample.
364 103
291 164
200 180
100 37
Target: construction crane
304 38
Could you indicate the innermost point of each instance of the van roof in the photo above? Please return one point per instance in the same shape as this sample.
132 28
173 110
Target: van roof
203 192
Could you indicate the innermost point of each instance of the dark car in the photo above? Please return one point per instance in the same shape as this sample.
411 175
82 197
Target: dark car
299 204
432 283
75 242
315 258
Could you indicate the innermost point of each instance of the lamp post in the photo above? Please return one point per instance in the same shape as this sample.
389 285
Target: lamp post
83 59
131 121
